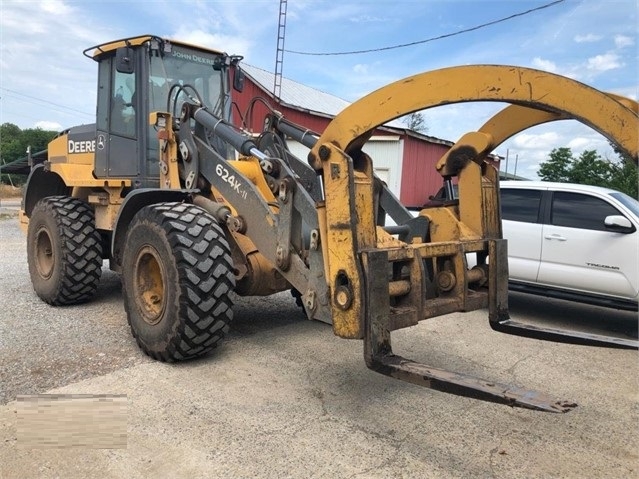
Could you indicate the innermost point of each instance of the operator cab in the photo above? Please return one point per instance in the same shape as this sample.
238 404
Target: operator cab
137 76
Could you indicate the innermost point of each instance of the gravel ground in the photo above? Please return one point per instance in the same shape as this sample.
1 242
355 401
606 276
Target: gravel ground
42 347
34 337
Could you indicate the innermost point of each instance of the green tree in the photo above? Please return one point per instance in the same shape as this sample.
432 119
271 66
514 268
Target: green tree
14 143
591 169
624 174
558 167
10 148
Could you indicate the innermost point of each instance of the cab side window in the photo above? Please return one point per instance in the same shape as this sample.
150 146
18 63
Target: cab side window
104 93
122 104
520 205
574 210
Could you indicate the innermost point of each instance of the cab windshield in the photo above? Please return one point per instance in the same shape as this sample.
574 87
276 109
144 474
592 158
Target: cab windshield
183 66
193 70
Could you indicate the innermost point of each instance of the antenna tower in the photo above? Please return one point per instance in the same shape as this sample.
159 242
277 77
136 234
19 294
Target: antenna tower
279 55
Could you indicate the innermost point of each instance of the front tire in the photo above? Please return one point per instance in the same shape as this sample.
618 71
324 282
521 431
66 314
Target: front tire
177 276
64 250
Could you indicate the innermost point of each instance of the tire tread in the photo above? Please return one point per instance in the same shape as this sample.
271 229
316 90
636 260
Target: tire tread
206 278
81 249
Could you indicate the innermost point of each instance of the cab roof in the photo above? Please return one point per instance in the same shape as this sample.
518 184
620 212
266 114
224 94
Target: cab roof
99 50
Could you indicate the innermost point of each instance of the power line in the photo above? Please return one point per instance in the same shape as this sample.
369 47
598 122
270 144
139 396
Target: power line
4 114
46 101
447 35
9 98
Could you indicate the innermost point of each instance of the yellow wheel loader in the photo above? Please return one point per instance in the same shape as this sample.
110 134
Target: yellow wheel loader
187 208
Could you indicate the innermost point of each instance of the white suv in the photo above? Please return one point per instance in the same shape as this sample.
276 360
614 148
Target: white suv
572 241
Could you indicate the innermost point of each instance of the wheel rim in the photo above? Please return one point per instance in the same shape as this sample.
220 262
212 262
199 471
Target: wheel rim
149 286
45 257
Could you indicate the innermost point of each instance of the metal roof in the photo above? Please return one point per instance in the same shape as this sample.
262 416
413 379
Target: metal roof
303 97
297 95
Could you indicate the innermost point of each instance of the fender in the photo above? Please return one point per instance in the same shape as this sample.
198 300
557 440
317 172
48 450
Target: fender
134 202
42 183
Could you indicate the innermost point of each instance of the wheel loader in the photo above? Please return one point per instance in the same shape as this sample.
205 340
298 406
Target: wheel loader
188 208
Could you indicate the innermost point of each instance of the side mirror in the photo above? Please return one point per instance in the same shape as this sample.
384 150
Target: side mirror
619 224
124 60
238 79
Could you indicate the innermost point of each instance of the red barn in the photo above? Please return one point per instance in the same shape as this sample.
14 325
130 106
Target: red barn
403 158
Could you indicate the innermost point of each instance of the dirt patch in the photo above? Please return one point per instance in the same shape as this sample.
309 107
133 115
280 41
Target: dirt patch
8 191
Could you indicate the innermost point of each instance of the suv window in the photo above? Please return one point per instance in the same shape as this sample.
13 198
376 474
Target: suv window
520 205
575 210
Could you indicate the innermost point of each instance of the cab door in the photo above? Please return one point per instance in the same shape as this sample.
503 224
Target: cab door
116 152
580 253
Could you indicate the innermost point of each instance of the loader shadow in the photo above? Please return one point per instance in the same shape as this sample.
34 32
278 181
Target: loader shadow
109 291
251 315
259 317
110 287
572 315
255 315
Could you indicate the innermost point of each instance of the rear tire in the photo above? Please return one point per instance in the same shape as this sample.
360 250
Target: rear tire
177 276
64 250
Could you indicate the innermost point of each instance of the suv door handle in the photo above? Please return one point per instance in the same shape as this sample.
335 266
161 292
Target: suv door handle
555 237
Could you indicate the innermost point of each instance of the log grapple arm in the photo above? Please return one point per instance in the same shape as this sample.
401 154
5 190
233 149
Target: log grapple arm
378 285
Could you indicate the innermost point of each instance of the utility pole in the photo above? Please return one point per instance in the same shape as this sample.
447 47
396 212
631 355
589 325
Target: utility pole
506 172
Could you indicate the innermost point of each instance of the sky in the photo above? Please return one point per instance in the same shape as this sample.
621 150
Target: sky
46 82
